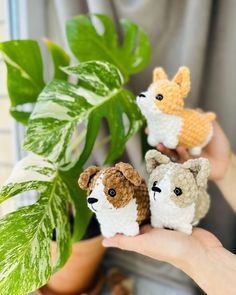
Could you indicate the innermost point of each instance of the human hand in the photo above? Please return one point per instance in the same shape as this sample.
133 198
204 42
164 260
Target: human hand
174 247
218 152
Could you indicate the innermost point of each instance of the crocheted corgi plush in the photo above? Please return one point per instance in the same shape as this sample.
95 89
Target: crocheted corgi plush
168 121
178 196
118 196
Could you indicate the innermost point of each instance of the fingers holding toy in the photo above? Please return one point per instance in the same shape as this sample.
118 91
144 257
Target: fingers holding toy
217 151
180 154
160 244
173 247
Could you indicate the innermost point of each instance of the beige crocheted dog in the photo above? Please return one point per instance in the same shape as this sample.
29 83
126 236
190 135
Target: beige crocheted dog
167 119
178 196
118 196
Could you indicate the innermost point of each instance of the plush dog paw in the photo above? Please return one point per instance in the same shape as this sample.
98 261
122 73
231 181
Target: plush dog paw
131 230
157 223
195 151
152 141
187 229
107 233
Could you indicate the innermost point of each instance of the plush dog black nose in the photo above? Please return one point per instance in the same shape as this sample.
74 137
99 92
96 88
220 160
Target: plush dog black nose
156 189
92 200
142 95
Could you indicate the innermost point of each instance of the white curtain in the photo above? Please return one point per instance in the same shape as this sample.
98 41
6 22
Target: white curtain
199 34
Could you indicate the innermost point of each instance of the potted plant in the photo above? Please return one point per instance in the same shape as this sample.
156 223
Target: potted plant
53 164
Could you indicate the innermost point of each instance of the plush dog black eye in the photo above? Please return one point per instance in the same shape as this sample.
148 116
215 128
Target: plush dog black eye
142 95
178 191
111 192
159 97
154 183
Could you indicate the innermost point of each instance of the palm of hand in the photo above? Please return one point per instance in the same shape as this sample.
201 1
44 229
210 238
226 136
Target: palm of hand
167 245
175 246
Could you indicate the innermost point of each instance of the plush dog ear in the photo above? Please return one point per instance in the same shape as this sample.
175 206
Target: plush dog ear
87 175
159 74
129 173
154 158
182 78
200 168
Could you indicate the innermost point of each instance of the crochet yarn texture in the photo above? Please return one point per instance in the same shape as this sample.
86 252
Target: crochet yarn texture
168 121
118 196
178 196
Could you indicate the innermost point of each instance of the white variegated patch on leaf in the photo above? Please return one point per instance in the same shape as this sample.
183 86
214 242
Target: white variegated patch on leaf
56 114
25 235
62 106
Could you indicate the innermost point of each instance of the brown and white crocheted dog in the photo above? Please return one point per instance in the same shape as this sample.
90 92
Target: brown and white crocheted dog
118 196
178 196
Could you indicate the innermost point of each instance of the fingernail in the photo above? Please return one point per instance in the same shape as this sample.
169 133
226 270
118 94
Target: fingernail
106 243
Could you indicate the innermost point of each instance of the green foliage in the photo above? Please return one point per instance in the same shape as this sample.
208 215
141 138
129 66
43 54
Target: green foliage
130 58
62 106
25 235
24 74
60 59
52 169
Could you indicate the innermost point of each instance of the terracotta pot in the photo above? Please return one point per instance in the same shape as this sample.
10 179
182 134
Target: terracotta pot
81 272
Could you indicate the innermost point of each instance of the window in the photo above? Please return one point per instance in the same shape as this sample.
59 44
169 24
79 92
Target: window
6 123
15 23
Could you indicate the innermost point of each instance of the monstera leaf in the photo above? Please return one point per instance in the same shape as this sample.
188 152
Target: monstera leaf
59 57
25 235
87 44
62 106
25 73
25 67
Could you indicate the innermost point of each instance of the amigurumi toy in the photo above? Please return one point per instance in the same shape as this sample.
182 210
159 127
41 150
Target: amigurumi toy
168 121
177 192
118 196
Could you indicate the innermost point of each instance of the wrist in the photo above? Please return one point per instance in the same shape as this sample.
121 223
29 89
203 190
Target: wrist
191 255
190 264
201 268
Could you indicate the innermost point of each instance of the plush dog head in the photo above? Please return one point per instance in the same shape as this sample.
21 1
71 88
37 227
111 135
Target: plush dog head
109 188
163 95
173 182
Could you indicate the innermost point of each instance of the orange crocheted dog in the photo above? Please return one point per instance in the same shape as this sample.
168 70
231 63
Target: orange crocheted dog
167 119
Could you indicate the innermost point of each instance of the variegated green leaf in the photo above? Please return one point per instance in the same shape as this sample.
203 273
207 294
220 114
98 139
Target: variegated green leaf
24 74
88 44
25 235
62 106
99 77
57 112
60 59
